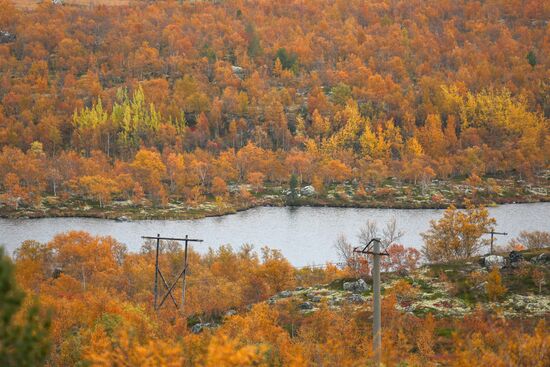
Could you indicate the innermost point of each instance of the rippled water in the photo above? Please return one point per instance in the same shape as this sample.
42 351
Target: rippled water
305 235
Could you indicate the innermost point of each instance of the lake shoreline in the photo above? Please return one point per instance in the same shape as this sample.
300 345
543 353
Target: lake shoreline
305 235
177 212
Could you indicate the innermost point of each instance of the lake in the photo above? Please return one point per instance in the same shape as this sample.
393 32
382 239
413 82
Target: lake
305 235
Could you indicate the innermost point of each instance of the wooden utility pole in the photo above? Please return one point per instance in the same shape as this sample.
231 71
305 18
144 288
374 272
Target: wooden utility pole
184 278
158 272
373 248
493 233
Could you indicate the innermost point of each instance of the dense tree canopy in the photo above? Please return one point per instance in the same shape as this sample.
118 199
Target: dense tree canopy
100 297
326 90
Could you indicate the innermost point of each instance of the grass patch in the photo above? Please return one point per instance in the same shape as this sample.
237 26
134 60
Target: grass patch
424 311
445 332
423 285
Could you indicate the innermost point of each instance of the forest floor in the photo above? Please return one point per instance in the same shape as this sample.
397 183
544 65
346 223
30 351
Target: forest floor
452 290
388 194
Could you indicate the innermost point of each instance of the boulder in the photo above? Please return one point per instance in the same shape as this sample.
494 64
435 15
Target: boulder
306 306
230 313
515 258
57 271
6 37
198 328
356 298
358 286
123 218
285 294
238 71
315 299
542 259
491 261
308 190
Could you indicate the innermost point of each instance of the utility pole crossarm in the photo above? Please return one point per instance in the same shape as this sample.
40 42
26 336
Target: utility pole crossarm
369 248
171 239
493 233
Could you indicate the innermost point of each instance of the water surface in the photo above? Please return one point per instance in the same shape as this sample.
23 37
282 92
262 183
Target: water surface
305 235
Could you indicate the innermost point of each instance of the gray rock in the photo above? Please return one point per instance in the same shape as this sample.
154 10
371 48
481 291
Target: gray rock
306 306
515 258
237 70
491 261
123 219
356 298
308 190
230 313
358 286
315 299
285 294
6 37
542 259
57 271
348 286
198 328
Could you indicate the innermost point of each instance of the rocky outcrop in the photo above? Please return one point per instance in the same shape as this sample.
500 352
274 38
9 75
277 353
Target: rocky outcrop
359 286
444 290
542 259
285 294
199 328
308 191
491 261
6 37
515 259
356 298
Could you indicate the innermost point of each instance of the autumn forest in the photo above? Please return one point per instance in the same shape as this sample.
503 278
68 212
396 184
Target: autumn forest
186 109
166 101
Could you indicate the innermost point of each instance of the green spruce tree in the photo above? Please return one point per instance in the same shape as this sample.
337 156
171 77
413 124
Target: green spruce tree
24 342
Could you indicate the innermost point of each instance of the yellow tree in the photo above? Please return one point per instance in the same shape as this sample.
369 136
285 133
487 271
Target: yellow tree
457 235
218 187
495 289
100 187
149 170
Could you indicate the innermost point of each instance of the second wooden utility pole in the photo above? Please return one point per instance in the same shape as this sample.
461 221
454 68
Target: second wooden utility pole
492 233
